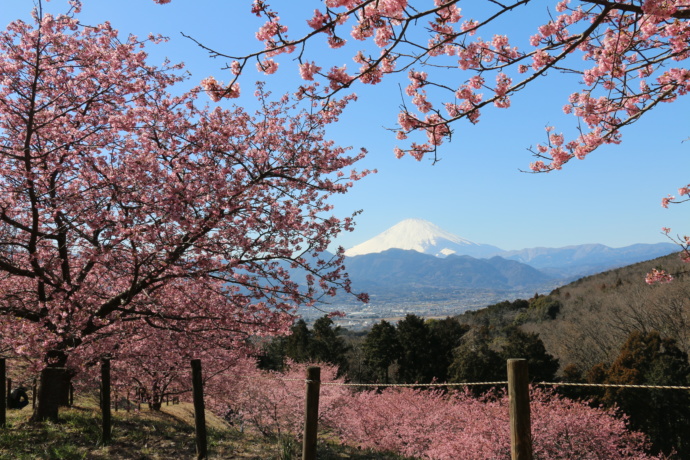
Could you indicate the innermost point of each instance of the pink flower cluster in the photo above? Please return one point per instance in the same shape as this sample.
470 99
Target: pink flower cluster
307 70
661 9
339 78
273 402
270 29
217 91
267 66
319 20
658 276
667 200
503 83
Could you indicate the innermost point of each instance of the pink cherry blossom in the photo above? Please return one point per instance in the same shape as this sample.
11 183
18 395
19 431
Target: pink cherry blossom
604 47
338 77
268 66
217 91
658 276
666 200
436 425
308 70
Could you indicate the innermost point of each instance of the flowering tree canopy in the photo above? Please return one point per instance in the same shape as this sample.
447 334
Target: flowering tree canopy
123 206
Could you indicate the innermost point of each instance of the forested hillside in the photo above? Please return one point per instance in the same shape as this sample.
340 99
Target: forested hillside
596 314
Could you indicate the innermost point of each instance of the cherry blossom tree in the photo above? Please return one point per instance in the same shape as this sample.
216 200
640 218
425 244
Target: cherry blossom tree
124 207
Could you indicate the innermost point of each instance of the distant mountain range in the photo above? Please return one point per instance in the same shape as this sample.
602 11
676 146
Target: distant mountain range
418 256
587 259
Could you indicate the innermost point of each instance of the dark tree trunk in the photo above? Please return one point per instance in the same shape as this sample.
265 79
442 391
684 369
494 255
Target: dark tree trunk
64 390
155 405
50 394
156 400
53 390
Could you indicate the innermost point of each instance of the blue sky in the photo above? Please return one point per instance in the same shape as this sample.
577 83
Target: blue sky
477 190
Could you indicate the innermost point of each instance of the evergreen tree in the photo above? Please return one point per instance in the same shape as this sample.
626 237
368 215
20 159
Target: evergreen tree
415 350
381 349
446 335
475 361
649 359
518 344
272 354
297 346
326 345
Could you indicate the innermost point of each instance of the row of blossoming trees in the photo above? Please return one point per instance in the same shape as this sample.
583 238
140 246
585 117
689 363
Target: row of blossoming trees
421 423
415 422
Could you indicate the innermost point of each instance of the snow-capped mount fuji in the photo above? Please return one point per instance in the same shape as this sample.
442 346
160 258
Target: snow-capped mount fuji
422 236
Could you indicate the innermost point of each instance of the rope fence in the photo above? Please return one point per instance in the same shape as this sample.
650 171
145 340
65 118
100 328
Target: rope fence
348 384
469 384
614 385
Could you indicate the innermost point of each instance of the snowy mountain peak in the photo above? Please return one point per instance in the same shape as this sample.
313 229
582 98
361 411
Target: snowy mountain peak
421 236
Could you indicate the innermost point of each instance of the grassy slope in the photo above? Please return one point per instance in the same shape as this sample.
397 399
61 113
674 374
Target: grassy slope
144 435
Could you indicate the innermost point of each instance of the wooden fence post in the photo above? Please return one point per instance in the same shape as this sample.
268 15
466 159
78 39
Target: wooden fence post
518 394
3 403
199 411
311 412
105 399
